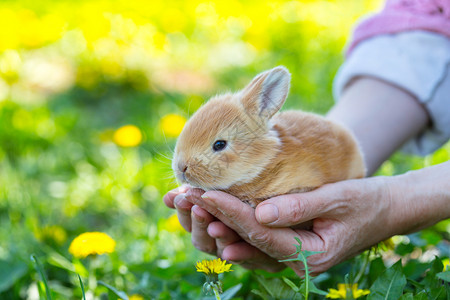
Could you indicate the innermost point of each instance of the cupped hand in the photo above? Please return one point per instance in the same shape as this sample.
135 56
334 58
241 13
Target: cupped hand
192 218
348 217
212 236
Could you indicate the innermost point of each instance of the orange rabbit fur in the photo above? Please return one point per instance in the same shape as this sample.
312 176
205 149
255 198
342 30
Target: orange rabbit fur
266 153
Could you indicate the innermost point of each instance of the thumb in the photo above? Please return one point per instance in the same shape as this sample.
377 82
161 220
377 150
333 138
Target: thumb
290 210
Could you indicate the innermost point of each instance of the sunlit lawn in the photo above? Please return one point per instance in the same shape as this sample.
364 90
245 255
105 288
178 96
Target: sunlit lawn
92 97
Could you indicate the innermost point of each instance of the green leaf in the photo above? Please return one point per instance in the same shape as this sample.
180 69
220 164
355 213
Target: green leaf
407 296
291 284
312 289
421 296
299 250
56 259
390 284
376 268
307 253
120 294
277 289
416 284
79 268
431 281
431 237
437 293
10 273
82 287
302 255
437 266
261 294
415 269
404 249
447 289
444 276
229 293
43 277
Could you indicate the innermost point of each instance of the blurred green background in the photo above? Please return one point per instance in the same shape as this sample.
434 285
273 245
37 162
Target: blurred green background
73 73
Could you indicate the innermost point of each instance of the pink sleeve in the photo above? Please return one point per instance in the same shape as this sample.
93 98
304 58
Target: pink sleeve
405 15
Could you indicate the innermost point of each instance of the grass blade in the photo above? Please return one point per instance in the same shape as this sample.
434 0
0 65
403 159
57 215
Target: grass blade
114 290
42 274
82 286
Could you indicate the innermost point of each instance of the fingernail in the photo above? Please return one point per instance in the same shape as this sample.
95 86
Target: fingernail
267 213
210 201
178 199
198 218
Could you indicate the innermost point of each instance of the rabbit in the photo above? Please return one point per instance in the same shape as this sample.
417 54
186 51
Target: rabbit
240 144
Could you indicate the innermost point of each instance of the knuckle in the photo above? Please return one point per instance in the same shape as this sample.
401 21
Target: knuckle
189 197
230 213
183 214
260 237
297 210
210 249
196 192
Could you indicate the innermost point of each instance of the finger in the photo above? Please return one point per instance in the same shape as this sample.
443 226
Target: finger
170 196
250 257
276 242
220 231
219 204
183 207
223 235
200 237
293 209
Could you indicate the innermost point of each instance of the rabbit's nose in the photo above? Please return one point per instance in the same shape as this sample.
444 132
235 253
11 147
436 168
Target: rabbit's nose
182 167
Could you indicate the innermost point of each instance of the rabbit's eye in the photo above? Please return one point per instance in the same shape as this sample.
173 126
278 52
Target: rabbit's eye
219 145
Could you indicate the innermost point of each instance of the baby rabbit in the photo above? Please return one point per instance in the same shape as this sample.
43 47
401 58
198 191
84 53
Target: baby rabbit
239 144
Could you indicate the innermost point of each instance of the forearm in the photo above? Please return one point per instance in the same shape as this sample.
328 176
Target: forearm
420 198
381 116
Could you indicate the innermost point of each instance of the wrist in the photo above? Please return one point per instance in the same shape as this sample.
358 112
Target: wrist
419 199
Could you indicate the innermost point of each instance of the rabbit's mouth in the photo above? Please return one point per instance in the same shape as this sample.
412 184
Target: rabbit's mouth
186 178
181 177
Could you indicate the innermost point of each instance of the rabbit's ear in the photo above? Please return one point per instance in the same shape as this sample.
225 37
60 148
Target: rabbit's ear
266 94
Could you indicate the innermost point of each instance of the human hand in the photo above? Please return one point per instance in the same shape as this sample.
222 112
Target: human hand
210 235
192 218
348 217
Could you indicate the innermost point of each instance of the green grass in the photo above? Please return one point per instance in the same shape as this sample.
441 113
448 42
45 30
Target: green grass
72 73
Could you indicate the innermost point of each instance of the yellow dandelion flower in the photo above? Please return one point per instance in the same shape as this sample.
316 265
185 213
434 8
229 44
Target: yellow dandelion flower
172 124
446 263
212 269
92 243
53 233
127 136
386 245
215 266
341 292
172 224
134 297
